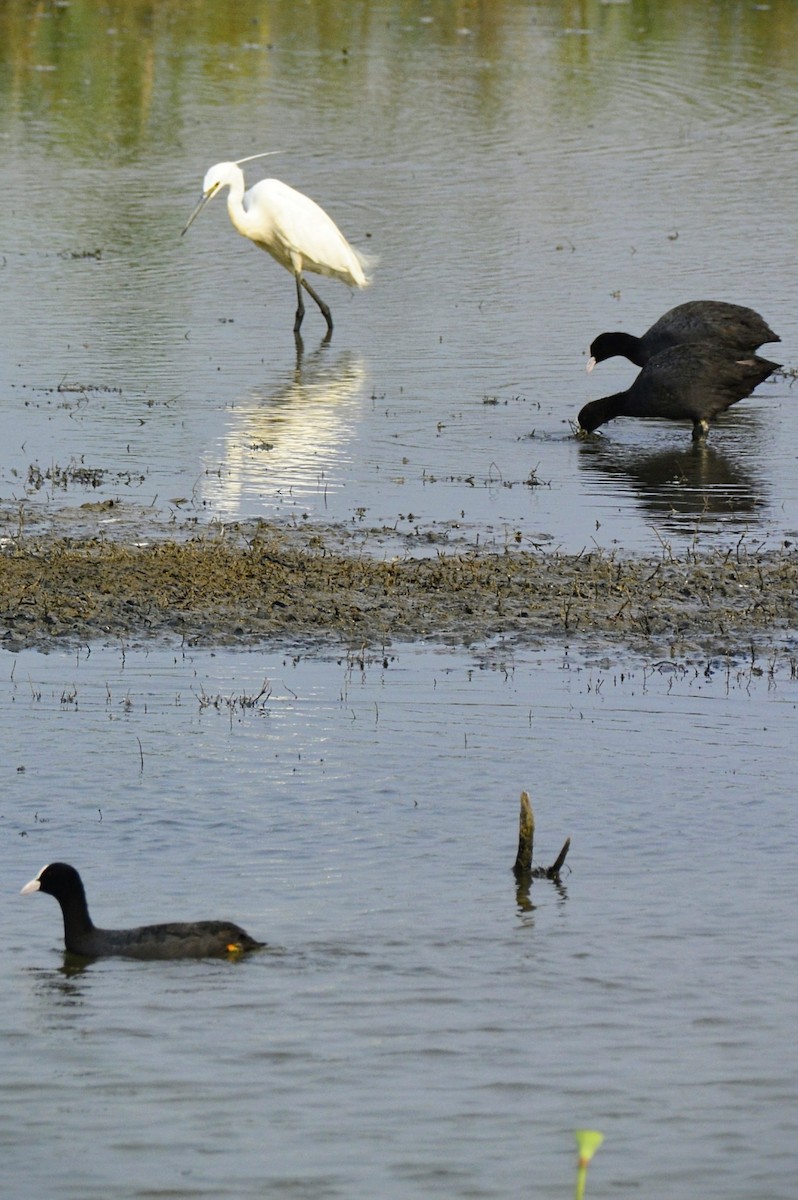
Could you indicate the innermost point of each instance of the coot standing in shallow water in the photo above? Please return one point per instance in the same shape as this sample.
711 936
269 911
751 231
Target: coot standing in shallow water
685 383
186 939
736 327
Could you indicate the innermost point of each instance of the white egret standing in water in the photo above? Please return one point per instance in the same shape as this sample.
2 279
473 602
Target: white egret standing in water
291 227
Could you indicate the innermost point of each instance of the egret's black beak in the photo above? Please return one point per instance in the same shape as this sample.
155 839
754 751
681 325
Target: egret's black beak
204 198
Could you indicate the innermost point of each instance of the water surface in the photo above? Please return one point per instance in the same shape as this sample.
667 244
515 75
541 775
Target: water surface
416 1028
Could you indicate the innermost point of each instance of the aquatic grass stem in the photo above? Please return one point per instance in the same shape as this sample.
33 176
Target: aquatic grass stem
587 1143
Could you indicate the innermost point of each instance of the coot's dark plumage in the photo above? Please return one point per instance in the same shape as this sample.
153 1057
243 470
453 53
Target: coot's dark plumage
685 383
738 328
189 939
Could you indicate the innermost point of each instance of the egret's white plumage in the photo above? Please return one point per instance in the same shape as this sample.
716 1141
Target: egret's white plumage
289 226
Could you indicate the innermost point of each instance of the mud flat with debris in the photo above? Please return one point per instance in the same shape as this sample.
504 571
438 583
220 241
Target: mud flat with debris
244 584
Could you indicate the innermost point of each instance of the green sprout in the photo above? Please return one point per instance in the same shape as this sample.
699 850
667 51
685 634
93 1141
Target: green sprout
587 1143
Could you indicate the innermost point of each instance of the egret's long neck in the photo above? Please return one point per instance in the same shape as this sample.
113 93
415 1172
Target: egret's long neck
235 205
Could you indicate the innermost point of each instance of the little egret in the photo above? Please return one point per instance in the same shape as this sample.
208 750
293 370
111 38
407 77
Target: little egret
291 227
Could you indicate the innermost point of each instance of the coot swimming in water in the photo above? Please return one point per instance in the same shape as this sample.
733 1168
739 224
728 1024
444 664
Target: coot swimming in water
187 939
684 383
738 328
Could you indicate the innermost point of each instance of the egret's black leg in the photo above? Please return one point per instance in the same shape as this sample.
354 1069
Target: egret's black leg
324 308
300 304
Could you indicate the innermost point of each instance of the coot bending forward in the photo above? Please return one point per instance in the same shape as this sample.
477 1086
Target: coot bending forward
685 383
736 327
180 939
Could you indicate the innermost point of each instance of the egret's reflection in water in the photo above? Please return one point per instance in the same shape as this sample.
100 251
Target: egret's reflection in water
289 440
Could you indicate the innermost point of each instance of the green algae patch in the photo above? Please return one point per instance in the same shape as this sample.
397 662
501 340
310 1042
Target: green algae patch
242 585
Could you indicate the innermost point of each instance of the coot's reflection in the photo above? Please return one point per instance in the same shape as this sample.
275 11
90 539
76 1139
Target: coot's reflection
679 484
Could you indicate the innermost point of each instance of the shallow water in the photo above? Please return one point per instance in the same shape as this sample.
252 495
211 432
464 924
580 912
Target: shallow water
416 1028
528 175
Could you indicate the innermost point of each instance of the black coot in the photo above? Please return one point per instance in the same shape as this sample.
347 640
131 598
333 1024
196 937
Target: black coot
738 328
685 383
189 939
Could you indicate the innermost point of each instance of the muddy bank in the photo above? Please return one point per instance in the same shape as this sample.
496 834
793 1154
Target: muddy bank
249 584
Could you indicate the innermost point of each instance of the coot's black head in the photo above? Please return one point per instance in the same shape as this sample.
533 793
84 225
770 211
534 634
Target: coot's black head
611 345
57 879
602 348
590 417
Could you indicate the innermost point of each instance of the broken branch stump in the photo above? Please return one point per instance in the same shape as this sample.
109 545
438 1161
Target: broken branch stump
523 868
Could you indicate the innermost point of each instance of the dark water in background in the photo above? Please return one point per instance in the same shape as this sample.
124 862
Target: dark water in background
528 175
